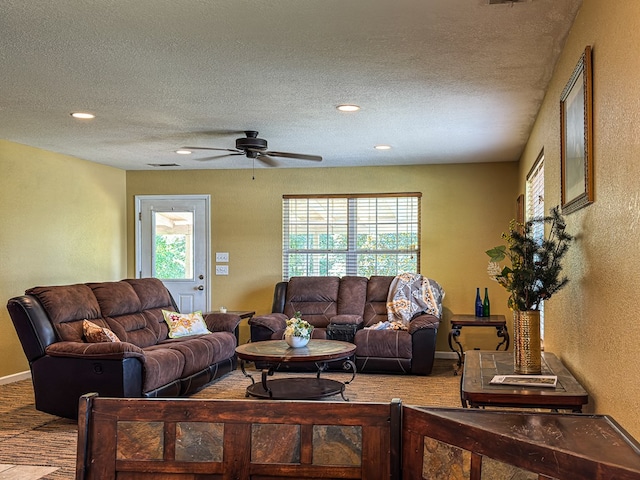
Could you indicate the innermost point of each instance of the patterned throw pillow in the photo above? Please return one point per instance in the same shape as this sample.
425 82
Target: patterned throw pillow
184 324
97 334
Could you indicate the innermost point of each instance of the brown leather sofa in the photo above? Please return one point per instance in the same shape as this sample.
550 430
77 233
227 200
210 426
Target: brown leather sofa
144 363
335 305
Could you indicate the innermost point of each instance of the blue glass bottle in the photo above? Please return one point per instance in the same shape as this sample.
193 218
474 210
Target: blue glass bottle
479 305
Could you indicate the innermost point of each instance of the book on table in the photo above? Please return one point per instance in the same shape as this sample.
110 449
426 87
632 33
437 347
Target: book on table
525 380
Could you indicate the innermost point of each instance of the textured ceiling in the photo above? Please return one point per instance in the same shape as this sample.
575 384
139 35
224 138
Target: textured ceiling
441 81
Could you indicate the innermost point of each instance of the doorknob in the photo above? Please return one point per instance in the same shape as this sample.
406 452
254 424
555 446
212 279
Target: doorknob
200 287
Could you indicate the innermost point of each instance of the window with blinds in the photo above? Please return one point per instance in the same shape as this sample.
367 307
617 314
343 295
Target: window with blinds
337 235
535 209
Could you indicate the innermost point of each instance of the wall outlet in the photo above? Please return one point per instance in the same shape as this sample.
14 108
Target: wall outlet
222 269
222 256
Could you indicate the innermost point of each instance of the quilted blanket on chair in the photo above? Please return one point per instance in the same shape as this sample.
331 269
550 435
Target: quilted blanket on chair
411 294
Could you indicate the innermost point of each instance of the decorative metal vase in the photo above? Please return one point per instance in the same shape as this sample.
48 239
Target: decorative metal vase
527 355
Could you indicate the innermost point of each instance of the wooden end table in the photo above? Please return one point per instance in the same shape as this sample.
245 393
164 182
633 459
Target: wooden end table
481 366
275 352
458 321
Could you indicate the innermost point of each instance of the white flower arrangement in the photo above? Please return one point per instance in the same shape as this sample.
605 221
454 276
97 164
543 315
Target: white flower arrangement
297 327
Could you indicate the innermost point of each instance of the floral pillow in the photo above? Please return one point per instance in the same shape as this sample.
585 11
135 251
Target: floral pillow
96 334
184 324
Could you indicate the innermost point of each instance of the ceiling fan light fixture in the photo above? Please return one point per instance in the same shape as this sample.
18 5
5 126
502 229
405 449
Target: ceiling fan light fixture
348 108
255 148
184 151
382 147
83 115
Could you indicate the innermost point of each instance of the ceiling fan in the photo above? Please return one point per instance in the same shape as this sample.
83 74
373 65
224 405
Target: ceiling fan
256 148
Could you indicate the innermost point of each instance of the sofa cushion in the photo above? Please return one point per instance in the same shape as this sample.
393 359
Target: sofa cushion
314 297
115 298
154 297
201 351
141 328
67 306
151 292
162 365
96 334
375 309
352 295
383 343
98 351
184 324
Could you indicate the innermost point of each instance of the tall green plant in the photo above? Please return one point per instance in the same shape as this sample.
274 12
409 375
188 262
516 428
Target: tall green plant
535 271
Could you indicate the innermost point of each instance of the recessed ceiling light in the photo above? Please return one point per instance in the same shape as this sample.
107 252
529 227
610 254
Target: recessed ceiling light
83 115
183 152
348 108
382 147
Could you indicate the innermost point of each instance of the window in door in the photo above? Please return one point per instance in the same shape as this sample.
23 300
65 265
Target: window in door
351 234
173 238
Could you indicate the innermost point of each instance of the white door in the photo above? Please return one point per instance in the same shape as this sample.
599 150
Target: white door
172 244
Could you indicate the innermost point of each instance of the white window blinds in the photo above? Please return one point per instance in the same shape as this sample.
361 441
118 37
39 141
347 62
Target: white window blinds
350 234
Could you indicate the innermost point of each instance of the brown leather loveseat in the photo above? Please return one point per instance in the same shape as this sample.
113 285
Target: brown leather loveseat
145 362
338 304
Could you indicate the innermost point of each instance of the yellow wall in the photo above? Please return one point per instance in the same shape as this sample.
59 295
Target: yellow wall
593 324
465 208
63 221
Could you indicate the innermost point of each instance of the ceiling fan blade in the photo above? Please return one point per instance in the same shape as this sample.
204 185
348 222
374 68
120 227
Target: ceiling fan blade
216 157
267 160
211 148
299 156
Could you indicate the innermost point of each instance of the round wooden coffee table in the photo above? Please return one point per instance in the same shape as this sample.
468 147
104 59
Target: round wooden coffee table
275 352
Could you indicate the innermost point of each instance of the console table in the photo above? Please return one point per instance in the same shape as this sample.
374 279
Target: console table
481 366
458 321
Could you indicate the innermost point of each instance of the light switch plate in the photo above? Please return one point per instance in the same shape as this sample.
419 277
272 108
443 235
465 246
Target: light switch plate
222 269
222 256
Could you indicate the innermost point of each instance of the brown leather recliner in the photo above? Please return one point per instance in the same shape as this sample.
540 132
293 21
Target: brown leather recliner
331 303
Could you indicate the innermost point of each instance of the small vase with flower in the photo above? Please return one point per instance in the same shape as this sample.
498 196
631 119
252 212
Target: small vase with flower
298 331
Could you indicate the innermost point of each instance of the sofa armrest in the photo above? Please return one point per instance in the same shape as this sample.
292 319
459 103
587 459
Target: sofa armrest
272 321
222 322
345 319
423 321
102 350
423 347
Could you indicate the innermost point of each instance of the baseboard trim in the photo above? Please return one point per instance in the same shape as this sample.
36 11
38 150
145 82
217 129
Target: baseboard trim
16 377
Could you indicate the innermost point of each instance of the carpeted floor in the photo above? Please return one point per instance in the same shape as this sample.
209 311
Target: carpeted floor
29 437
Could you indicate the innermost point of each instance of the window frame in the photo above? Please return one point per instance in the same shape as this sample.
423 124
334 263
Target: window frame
535 209
410 213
